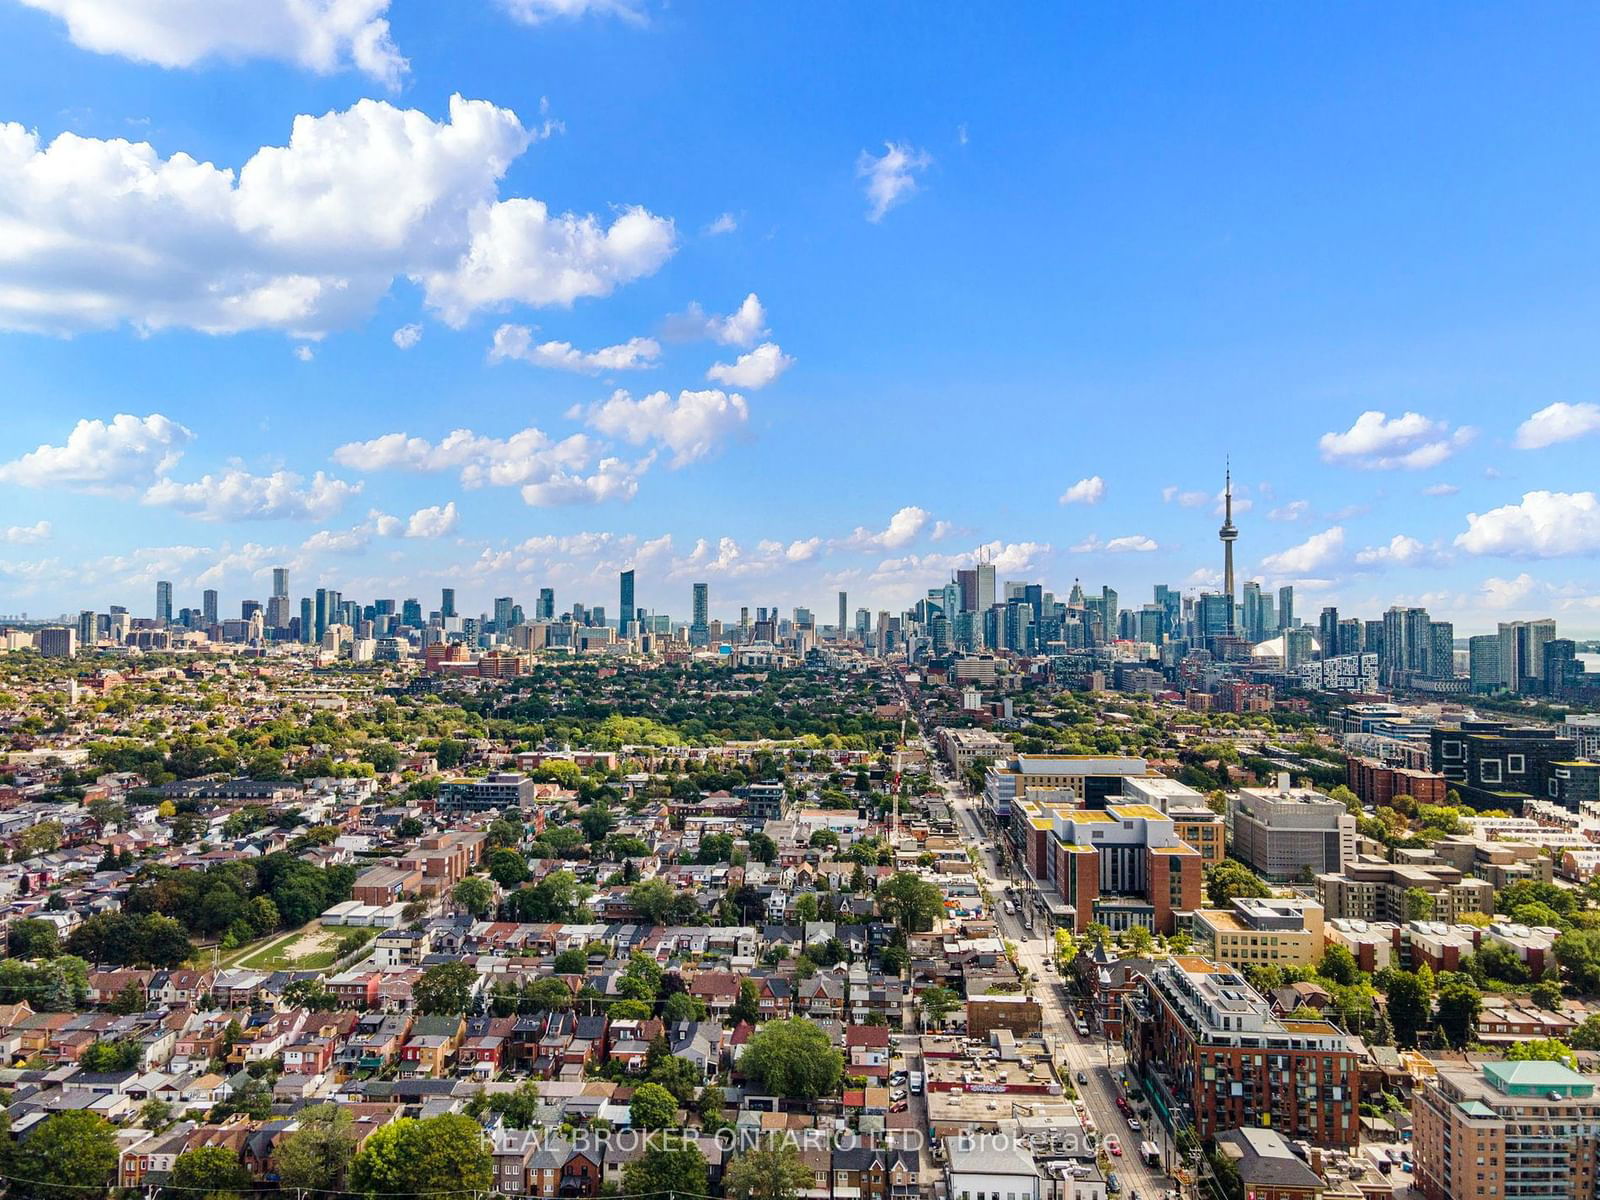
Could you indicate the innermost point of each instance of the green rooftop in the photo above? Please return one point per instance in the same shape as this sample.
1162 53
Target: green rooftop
1538 1079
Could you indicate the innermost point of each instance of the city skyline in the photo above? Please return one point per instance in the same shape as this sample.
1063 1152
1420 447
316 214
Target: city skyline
577 342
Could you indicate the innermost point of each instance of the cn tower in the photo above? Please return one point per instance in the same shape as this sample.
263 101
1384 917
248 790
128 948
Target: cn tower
1229 533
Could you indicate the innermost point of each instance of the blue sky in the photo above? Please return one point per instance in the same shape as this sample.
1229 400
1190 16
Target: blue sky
1022 280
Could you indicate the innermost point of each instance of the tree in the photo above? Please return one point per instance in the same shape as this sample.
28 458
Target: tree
806 908
1339 966
549 995
746 1007
893 960
574 960
1229 879
507 867
640 979
32 938
715 848
553 898
446 988
678 1075
679 1168
1138 939
1547 995
910 902
793 1058
770 1171
519 1107
1498 961
938 1003
1587 1035
316 1157
1346 797
209 1170
824 839
475 894
439 1154
597 821
652 899
64 1157
1578 952
1409 1005
310 993
762 848
680 1006
1459 1002
154 1115
1542 1050
1419 905
652 1107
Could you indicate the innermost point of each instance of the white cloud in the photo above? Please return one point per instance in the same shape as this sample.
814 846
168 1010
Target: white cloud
1315 552
1171 493
1400 551
1292 511
1086 491
693 426
1440 489
1541 525
802 550
529 456
741 327
1379 442
304 353
915 570
725 223
612 479
516 341
1558 422
537 12
317 35
237 495
304 238
26 535
432 522
754 370
407 336
348 541
1500 593
1133 543
903 529
98 456
891 176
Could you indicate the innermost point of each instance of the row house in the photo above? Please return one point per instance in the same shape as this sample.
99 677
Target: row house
432 1045
376 1041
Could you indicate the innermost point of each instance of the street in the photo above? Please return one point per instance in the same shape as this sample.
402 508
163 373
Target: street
1094 1058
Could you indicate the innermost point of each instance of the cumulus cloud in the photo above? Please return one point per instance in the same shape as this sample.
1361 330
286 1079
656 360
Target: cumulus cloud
529 456
1174 494
432 522
516 342
1541 525
693 426
1316 552
537 12
1399 551
26 535
407 336
106 457
304 238
754 370
1294 510
725 223
1086 491
304 353
903 529
741 327
915 569
317 35
1558 422
1132 543
1408 442
612 479
237 495
891 177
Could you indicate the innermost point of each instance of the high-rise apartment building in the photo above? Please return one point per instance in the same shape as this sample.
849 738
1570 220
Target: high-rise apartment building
447 602
411 612
985 586
1483 663
1522 653
843 627
1328 631
1441 650
700 624
208 606
322 618
163 602
502 613
280 582
545 610
625 616
1254 626
88 628
1286 606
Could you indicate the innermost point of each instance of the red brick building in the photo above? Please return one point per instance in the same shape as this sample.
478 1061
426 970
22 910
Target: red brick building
1378 783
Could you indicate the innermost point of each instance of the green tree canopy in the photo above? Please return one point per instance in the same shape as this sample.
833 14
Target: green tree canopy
793 1058
64 1157
653 1107
209 1171
413 1157
770 1171
316 1157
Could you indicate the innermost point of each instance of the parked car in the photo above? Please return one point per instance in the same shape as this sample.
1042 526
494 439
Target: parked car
1113 1184
1133 1124
1113 1146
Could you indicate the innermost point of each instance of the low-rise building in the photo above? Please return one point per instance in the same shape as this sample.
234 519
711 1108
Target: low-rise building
1371 889
1260 932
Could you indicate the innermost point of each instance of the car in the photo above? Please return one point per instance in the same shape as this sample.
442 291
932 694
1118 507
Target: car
899 1106
897 1094
1083 1077
1113 1146
1113 1184
1133 1124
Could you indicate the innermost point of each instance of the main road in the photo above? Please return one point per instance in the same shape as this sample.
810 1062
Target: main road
1097 1061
